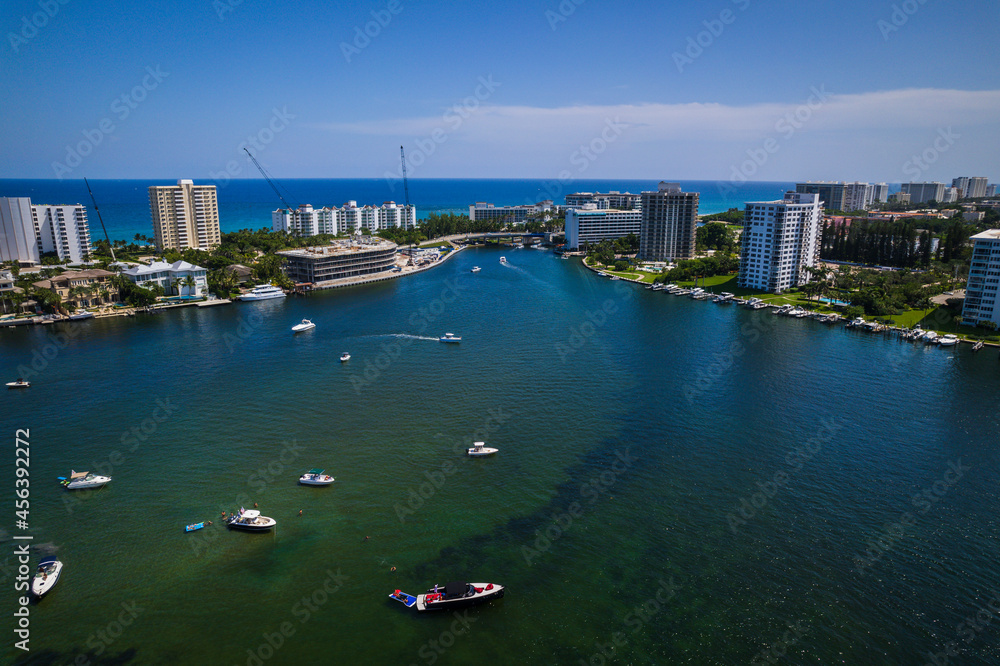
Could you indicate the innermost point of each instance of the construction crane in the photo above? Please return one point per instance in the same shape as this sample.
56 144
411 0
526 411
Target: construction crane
269 181
406 198
97 210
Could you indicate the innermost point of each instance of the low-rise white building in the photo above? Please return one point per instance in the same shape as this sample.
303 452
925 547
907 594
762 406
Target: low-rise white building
982 305
307 221
780 239
481 211
589 225
177 279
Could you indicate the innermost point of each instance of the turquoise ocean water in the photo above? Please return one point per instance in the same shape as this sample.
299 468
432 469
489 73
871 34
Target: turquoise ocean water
678 482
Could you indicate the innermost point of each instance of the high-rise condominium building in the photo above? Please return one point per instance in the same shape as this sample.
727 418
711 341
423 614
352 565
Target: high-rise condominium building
780 239
592 225
28 230
831 194
185 216
970 187
669 221
982 305
923 192
880 192
612 200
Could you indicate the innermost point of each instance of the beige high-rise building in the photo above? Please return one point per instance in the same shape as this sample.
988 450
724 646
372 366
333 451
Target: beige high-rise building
185 215
669 222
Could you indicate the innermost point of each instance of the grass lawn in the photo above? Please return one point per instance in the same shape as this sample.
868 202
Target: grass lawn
435 244
940 318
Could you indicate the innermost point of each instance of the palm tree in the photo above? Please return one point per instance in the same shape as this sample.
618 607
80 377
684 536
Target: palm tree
175 284
190 283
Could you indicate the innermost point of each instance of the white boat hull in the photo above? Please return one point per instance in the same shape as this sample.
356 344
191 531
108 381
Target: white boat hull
310 480
93 481
479 452
41 585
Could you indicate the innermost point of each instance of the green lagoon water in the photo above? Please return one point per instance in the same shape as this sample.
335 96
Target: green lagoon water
633 428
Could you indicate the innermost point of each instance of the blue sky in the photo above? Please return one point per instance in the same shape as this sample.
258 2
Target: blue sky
722 90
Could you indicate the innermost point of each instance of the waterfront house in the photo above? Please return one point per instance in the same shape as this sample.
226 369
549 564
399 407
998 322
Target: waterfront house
82 289
177 279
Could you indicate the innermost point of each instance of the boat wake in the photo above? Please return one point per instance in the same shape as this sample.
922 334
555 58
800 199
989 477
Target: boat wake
405 336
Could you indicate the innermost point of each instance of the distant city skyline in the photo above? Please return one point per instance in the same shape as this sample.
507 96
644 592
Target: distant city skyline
878 92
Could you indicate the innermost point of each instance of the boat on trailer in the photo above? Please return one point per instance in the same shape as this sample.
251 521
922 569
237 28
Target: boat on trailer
451 596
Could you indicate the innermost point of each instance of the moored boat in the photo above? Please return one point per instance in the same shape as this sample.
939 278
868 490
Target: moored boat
304 326
948 340
250 521
480 449
81 314
979 345
451 596
83 480
262 293
316 477
46 576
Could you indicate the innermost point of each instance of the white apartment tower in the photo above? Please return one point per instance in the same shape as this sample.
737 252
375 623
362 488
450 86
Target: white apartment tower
590 224
982 306
669 221
970 187
780 239
28 230
185 216
858 196
307 221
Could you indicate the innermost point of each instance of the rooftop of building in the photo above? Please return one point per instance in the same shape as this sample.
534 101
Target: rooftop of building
989 234
343 247
160 267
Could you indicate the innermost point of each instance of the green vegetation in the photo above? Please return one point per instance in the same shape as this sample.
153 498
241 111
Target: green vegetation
731 216
608 252
719 264
716 236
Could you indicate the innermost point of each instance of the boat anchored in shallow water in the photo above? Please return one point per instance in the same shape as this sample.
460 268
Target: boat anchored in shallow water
316 477
451 596
480 449
83 480
450 337
46 576
250 521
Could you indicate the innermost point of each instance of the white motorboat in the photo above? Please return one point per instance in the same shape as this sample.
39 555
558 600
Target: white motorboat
948 340
503 260
263 293
930 337
315 477
46 576
81 314
345 357
304 326
476 269
457 595
480 449
250 521
450 337
20 383
83 480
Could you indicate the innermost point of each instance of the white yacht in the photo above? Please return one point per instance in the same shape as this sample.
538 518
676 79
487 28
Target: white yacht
84 480
81 314
948 340
930 337
263 293
251 521
304 326
450 337
316 477
20 383
46 576
480 449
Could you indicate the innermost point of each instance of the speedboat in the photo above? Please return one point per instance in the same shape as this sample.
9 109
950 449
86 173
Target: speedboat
948 340
81 314
480 449
476 269
20 383
250 521
451 596
304 326
345 357
979 345
503 260
450 337
930 337
46 576
83 480
315 477
263 293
